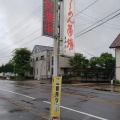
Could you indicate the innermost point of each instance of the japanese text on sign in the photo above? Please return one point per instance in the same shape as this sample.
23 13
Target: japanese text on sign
48 17
55 97
69 41
67 46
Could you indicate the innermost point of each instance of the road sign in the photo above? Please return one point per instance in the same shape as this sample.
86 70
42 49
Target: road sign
55 98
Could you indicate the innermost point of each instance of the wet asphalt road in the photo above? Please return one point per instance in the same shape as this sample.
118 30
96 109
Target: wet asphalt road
30 101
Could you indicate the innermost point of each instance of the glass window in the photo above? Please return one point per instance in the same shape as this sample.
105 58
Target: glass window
37 58
52 60
37 70
42 57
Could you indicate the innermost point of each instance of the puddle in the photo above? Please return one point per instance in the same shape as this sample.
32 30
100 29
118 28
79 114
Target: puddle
3 112
47 109
25 84
42 83
27 102
85 100
102 89
40 99
110 90
15 110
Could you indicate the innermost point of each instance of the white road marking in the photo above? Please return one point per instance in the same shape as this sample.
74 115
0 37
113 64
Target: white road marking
87 114
17 93
100 118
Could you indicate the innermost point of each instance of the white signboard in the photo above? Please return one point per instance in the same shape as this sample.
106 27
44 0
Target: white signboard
67 45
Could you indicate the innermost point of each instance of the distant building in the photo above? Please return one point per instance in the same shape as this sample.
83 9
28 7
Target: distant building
42 62
116 46
2 74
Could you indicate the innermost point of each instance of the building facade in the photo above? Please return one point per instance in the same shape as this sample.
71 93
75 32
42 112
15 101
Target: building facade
116 46
42 63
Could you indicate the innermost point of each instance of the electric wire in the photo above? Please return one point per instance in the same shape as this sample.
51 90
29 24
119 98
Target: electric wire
20 24
96 26
106 21
19 41
87 7
86 19
99 21
20 32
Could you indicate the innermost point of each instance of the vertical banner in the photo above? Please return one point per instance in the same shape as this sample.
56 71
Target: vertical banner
67 47
48 18
55 98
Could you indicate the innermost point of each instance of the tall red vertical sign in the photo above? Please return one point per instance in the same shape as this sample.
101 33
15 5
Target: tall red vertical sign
48 18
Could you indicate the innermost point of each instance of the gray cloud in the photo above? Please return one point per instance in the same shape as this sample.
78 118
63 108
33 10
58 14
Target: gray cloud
94 42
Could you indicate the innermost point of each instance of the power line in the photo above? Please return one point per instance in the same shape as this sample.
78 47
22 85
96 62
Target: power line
98 25
23 44
87 7
23 30
99 21
20 40
84 24
94 19
5 57
94 22
86 52
21 23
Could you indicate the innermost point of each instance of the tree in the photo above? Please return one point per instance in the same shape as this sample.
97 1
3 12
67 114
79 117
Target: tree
79 61
94 62
106 61
8 67
21 61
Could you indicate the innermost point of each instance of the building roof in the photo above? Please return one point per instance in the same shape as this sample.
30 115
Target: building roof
116 42
40 48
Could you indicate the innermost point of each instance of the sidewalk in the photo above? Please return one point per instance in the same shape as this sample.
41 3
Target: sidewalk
95 86
99 86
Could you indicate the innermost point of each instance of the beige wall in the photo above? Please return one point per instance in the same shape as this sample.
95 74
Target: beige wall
63 62
118 63
39 69
40 66
44 67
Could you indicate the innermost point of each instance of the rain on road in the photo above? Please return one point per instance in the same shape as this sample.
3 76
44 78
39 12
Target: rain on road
31 101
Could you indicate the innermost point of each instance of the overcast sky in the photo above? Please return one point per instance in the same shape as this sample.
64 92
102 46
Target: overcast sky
21 23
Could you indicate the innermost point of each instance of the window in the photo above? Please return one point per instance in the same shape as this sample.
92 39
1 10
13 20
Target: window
52 60
37 71
37 58
52 71
42 57
34 71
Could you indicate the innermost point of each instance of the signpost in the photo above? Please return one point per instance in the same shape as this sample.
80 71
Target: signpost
55 98
67 47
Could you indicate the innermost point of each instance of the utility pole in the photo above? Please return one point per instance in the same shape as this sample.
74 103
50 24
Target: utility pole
55 70
56 80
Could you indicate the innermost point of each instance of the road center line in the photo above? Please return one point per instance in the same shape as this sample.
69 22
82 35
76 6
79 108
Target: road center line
87 114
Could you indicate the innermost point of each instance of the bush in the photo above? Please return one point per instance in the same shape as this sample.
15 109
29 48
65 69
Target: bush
29 78
20 78
66 78
116 81
12 77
